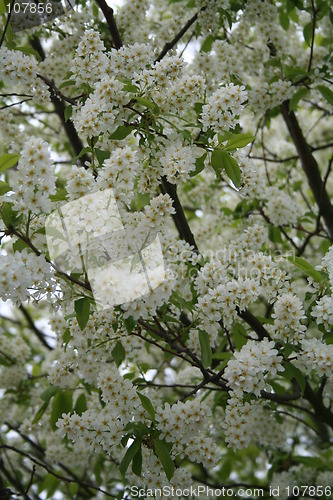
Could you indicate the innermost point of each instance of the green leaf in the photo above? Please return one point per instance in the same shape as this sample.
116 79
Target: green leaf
147 103
146 403
7 161
3 9
95 10
291 372
199 165
206 350
68 112
274 234
221 160
102 155
238 141
48 393
62 403
137 463
129 455
293 103
307 33
326 93
40 412
82 310
29 51
67 83
8 215
130 324
122 132
81 404
118 353
164 456
4 188
306 268
61 195
207 44
284 21
328 338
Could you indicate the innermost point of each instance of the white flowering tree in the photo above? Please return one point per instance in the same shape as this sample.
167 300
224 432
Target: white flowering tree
210 122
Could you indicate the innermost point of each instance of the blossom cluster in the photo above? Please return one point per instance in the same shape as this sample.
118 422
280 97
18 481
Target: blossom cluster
249 368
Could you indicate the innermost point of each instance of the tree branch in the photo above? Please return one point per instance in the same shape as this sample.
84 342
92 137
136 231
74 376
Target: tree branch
309 166
59 106
169 45
39 334
113 28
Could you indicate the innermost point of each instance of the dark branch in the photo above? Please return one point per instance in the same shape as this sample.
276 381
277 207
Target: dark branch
169 45
39 334
309 166
113 28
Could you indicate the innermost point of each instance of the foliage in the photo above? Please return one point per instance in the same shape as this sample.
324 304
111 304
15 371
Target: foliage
211 124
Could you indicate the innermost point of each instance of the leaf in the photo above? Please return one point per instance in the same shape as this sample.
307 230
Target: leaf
7 161
328 338
137 463
122 132
68 112
206 351
221 160
130 324
61 195
306 268
101 155
326 93
207 44
199 165
146 403
81 404
238 141
67 83
82 310
48 393
62 403
284 21
29 51
274 234
118 353
8 215
293 103
291 372
2 8
147 103
129 455
40 412
164 456
4 188
307 33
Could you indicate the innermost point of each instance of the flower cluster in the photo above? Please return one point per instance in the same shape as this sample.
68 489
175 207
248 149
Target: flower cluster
25 276
288 314
178 160
247 370
223 107
35 181
21 70
183 424
315 355
249 422
90 63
